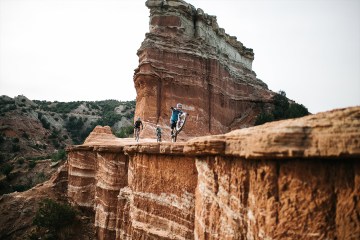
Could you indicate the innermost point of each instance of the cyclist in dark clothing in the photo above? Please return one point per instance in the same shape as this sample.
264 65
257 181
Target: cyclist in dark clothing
138 123
158 133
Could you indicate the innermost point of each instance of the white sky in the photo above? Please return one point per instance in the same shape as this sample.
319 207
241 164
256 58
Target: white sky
69 50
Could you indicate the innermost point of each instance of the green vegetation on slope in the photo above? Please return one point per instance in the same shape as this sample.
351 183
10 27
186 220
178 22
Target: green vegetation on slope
53 217
31 131
283 109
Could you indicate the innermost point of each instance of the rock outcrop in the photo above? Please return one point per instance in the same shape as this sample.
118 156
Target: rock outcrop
292 179
186 57
18 208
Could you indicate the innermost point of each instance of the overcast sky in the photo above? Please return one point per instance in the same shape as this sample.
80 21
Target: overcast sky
69 50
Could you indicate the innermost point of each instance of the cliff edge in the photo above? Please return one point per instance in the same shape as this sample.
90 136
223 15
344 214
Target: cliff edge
294 179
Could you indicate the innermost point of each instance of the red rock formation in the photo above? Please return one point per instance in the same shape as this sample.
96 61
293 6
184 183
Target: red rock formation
295 179
187 58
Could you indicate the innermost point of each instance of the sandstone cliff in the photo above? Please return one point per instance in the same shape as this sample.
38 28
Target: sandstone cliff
186 57
292 179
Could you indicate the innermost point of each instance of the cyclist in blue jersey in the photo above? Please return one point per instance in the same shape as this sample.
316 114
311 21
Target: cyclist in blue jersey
175 116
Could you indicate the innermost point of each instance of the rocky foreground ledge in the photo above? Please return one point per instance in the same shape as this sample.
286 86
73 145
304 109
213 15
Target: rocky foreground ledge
292 179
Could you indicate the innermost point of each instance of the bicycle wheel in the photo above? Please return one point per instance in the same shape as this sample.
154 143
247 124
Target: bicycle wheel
181 122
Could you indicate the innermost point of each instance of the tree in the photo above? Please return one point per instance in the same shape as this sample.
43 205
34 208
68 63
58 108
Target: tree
297 110
264 117
281 105
282 110
54 216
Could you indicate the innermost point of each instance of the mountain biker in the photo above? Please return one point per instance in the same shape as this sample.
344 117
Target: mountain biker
138 123
158 132
175 116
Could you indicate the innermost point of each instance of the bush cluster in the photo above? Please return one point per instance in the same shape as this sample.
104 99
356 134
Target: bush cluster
59 155
6 169
125 132
54 216
283 109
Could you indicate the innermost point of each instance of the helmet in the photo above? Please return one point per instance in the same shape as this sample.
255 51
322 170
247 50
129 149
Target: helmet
139 118
179 105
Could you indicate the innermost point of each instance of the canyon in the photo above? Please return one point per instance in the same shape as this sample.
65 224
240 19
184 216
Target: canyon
291 179
224 178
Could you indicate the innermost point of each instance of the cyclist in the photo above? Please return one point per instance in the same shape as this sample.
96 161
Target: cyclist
137 125
158 133
175 116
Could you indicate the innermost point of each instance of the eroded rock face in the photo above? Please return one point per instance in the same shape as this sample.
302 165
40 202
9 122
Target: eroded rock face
296 179
187 58
19 208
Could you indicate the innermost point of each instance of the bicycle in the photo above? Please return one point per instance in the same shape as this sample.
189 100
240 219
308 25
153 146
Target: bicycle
137 133
179 126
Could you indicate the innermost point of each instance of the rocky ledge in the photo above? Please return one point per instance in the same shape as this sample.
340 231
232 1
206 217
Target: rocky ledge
293 179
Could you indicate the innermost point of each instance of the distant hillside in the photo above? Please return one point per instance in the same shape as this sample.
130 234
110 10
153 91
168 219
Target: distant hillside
33 130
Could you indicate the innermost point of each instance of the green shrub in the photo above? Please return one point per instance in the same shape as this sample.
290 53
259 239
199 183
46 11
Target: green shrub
66 107
55 143
75 127
32 164
20 161
59 155
41 177
2 157
297 110
54 134
282 110
15 148
45 123
264 117
2 139
21 187
25 135
125 132
35 158
6 169
12 107
54 216
5 187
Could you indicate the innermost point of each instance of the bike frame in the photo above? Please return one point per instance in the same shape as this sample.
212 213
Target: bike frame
137 133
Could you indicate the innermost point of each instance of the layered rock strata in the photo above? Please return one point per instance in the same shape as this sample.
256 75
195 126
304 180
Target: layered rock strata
293 179
186 57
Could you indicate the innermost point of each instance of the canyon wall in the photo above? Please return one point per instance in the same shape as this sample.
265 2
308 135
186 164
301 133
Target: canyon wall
186 57
291 179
